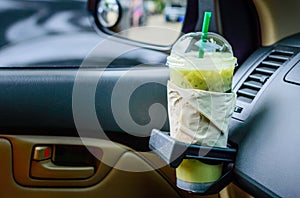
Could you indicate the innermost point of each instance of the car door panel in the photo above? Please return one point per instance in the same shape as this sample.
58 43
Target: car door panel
43 99
107 182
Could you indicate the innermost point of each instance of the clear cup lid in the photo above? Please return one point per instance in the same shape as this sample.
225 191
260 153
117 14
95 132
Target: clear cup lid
216 50
192 41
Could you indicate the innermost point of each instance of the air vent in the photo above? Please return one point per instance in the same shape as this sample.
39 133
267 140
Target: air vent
261 74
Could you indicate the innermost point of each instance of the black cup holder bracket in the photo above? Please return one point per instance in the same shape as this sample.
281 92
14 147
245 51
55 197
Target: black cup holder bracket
173 152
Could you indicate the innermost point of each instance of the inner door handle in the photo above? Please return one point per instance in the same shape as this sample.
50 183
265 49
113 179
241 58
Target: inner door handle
42 166
46 169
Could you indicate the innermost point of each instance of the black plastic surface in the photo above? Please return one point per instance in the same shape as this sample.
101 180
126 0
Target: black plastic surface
294 75
41 100
245 106
173 152
267 163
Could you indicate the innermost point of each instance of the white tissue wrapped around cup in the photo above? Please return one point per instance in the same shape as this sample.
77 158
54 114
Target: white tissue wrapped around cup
199 117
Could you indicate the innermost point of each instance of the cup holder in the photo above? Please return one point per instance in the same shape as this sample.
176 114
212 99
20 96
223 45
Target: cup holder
173 152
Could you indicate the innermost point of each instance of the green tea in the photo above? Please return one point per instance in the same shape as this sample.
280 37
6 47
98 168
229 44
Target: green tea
209 80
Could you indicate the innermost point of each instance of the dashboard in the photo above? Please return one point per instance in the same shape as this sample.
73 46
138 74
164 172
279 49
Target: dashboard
265 124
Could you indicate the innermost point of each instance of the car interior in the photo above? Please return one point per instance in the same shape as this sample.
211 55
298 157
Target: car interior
83 92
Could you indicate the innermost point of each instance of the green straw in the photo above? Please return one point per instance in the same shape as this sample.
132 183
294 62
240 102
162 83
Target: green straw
206 21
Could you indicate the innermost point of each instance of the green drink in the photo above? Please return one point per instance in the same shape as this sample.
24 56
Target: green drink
213 74
208 78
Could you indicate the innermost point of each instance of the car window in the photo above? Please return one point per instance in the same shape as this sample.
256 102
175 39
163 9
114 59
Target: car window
157 22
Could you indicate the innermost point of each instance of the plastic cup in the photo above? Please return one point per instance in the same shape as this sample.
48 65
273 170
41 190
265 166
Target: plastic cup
211 73
204 74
